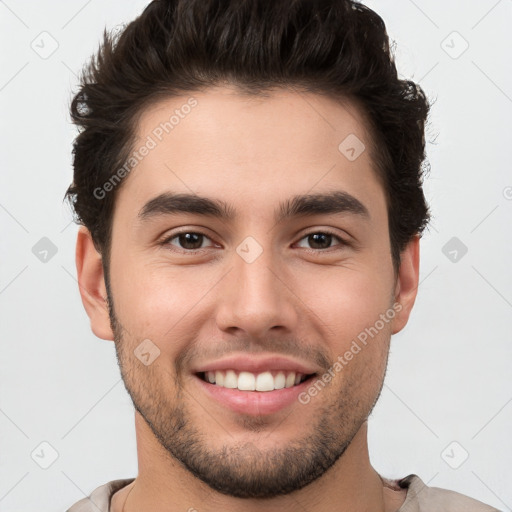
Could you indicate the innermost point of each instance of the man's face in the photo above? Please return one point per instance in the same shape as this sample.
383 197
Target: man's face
252 293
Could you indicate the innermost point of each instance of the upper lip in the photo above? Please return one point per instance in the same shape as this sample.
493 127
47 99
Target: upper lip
257 364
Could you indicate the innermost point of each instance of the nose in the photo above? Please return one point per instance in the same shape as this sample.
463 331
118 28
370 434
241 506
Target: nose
255 298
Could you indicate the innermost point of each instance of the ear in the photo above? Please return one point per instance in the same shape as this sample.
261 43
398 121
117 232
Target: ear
406 286
91 283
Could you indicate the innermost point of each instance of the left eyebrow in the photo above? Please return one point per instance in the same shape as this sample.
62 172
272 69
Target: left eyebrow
306 205
321 204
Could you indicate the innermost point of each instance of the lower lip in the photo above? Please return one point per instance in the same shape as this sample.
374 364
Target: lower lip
254 402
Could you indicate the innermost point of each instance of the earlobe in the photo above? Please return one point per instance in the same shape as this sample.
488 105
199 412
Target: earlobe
91 284
407 283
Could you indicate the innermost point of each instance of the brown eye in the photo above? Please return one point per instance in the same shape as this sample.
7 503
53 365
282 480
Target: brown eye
321 240
190 240
187 241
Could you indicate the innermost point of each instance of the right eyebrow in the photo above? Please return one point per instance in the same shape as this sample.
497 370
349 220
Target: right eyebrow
168 203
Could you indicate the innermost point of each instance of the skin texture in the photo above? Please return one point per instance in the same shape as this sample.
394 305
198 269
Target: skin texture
296 299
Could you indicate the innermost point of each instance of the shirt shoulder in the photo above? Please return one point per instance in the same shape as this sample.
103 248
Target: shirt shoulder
421 498
99 500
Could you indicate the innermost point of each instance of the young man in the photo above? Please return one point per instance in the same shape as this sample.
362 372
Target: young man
248 176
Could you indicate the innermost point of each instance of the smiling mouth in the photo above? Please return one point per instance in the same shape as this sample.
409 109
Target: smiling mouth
248 381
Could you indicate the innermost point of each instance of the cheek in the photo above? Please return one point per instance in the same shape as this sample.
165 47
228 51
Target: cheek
352 329
145 301
348 301
162 304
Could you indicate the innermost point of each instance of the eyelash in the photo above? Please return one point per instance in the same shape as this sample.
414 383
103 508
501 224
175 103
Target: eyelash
166 241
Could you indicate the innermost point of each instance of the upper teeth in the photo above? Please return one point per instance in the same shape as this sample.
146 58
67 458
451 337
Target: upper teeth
247 381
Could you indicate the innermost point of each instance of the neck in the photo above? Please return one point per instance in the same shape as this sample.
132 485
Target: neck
163 484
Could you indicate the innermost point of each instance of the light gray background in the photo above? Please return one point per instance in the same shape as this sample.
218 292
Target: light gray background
449 373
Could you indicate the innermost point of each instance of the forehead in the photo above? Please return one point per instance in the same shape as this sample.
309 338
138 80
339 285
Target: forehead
278 122
222 143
